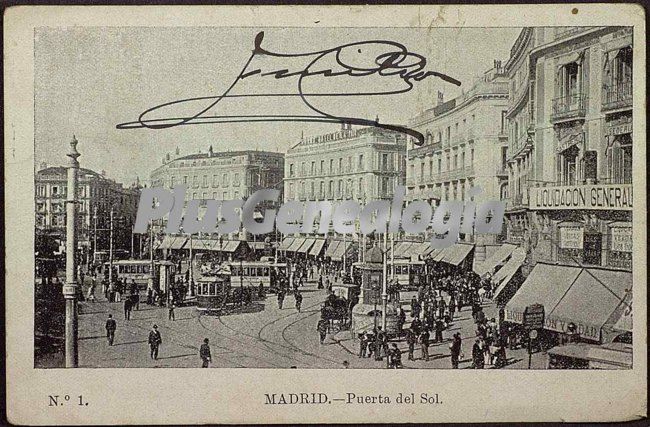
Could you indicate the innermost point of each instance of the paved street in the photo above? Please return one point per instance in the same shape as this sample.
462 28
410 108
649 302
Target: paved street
262 336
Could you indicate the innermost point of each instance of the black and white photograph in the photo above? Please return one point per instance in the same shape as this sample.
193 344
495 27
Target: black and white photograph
539 118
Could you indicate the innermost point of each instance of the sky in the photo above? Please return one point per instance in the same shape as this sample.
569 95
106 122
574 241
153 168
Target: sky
88 80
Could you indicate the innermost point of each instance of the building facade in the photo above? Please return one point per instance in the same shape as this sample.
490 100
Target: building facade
97 195
358 164
226 175
465 146
570 145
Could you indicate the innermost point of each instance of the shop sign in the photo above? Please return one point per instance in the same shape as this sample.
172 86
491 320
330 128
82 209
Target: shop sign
621 239
597 197
571 237
533 317
620 126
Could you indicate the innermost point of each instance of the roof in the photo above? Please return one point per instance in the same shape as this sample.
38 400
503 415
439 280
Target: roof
454 254
616 355
222 154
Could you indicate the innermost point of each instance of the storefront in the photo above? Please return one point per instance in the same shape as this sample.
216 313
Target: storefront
575 299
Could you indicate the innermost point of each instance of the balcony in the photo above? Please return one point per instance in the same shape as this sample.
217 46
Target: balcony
569 107
617 95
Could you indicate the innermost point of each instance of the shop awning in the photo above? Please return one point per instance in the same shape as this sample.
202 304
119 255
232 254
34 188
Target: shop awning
178 242
546 284
497 258
502 277
454 254
258 246
317 248
306 245
231 245
297 243
166 242
590 301
331 248
285 243
342 248
608 355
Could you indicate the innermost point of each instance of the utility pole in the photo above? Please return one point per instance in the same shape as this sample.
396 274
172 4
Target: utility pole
132 242
110 251
384 284
95 236
190 286
392 256
70 287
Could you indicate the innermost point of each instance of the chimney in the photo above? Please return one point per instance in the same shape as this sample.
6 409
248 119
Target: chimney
441 98
178 151
210 151
103 172
167 157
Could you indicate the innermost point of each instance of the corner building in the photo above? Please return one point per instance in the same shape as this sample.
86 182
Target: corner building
570 146
465 147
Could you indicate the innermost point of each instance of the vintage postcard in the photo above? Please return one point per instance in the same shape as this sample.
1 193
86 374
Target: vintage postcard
352 214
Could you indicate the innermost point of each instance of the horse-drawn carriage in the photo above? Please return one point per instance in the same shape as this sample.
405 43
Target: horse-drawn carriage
337 311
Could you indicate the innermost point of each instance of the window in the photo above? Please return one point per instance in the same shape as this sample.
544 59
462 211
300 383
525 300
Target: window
311 192
384 161
448 162
568 166
322 167
620 160
412 171
331 166
330 190
291 171
349 164
185 180
215 181
360 187
430 167
224 179
384 187
339 193
214 195
195 181
236 195
360 162
471 157
504 121
205 180
290 195
313 168
439 165
448 135
321 192
303 169
455 161
422 170
340 164
204 196
235 180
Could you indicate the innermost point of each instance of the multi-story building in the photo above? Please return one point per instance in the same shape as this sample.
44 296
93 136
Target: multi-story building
225 175
465 146
97 195
360 164
570 154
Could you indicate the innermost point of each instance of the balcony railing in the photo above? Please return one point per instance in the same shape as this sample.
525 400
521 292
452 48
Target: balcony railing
617 95
569 107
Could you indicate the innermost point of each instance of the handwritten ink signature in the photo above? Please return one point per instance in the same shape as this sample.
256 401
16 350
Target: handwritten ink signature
394 62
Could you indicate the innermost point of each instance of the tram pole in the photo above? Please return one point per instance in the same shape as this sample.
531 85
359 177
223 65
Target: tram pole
110 251
384 284
70 287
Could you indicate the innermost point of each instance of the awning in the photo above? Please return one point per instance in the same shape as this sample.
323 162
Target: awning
546 284
202 244
590 301
502 277
231 245
342 248
306 245
497 258
297 243
331 248
258 246
166 242
454 254
606 354
178 242
285 243
317 248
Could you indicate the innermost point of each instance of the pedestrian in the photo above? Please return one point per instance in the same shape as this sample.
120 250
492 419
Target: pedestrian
298 297
383 342
81 276
320 282
439 328
415 308
171 307
118 290
322 329
204 353
127 309
363 344
111 326
280 299
155 339
478 359
424 341
91 290
111 292
395 357
149 296
411 339
455 349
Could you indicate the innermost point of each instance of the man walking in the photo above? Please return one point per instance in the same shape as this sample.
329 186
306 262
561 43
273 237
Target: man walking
411 338
154 341
454 348
111 326
171 307
424 340
298 297
280 299
204 353
322 329
127 308
363 344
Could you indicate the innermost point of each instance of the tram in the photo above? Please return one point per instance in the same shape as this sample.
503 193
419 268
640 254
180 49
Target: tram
215 293
140 271
252 273
408 272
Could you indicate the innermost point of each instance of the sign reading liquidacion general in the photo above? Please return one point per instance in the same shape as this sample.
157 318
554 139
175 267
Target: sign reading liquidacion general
615 197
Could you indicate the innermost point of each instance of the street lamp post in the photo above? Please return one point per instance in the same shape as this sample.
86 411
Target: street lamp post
110 251
95 235
384 284
70 288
